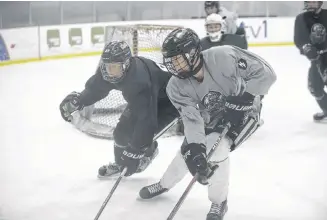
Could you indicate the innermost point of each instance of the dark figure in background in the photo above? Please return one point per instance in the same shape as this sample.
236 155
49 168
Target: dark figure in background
310 38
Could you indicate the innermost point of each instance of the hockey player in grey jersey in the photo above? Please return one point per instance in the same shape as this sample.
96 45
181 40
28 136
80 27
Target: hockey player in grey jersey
211 88
215 26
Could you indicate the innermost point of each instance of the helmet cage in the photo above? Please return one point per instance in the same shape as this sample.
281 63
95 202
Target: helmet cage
115 53
183 64
114 78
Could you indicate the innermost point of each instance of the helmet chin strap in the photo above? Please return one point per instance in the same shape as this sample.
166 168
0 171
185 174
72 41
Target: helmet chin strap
215 37
197 68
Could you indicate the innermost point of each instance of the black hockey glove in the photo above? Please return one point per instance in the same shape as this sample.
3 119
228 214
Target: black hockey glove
237 108
131 157
196 160
127 156
310 52
70 104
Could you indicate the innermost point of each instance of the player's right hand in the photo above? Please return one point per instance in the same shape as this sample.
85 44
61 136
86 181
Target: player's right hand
196 160
310 52
69 105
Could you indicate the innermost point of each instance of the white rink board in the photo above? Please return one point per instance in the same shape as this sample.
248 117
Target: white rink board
33 42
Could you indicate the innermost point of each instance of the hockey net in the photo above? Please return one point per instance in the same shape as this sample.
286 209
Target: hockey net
100 119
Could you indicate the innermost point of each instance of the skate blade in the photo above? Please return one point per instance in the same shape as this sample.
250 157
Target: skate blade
322 121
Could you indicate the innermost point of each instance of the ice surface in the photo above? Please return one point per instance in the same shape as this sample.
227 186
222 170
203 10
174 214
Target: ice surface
48 168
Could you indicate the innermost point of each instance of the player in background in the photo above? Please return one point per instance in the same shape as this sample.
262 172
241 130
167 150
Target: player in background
213 7
215 27
149 110
310 38
211 88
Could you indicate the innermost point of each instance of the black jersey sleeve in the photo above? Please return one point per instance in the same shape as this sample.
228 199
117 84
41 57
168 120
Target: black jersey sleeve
96 88
301 32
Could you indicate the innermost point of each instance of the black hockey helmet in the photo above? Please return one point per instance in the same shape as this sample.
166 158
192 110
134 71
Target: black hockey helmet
181 52
115 61
211 7
318 34
312 6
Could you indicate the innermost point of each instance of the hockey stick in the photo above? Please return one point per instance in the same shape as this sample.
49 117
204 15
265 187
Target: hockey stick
191 184
122 174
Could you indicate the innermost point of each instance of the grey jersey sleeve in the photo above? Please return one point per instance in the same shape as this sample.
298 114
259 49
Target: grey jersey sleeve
189 111
240 70
230 20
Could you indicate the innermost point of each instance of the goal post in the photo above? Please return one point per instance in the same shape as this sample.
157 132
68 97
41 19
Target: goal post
100 119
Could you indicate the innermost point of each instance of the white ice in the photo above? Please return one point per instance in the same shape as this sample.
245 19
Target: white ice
48 168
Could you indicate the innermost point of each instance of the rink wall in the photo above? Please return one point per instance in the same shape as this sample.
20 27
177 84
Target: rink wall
22 45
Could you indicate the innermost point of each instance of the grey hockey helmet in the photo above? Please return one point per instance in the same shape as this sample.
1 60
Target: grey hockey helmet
181 52
115 61
215 27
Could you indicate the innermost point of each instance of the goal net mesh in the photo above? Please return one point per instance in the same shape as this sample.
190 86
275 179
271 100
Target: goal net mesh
100 119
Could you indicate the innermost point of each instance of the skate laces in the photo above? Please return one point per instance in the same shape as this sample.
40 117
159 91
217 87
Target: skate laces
154 188
113 166
218 208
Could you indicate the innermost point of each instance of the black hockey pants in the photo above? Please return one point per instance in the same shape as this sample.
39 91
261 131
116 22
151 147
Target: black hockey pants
125 127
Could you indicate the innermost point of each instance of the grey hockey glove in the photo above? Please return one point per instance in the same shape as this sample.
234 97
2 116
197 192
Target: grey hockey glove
310 52
237 108
196 160
69 105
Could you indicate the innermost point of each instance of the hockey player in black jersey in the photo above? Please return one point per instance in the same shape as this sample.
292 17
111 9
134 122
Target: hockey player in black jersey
215 27
310 38
143 84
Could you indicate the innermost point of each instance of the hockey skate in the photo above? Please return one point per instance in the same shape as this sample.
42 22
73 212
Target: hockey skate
217 212
107 171
113 169
320 117
148 192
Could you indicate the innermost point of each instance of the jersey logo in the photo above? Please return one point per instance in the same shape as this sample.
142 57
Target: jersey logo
213 102
241 63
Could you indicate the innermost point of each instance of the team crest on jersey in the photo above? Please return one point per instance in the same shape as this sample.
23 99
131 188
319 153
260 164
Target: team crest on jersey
213 101
241 63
